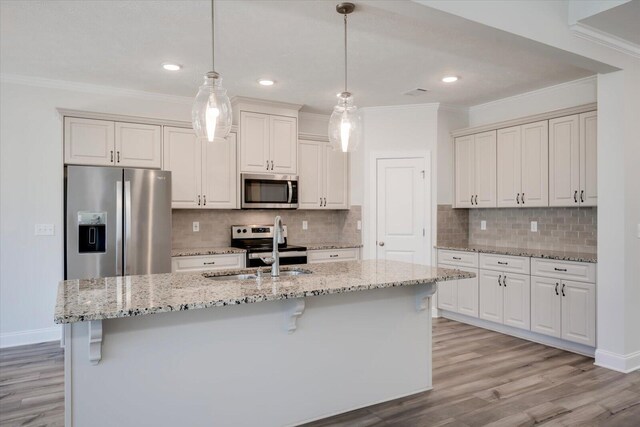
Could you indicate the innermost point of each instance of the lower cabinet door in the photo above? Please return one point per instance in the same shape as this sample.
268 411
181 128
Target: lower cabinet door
468 293
516 289
448 294
579 312
546 304
491 296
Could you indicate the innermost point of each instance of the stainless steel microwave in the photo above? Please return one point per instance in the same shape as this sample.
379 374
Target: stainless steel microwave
262 191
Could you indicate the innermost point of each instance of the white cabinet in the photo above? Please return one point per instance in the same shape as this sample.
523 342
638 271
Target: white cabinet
108 143
448 294
203 173
491 296
523 166
467 293
268 143
475 170
505 298
546 315
317 256
460 296
187 264
324 176
573 161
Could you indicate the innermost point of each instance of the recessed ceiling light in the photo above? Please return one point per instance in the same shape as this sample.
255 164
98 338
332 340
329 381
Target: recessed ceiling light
450 79
171 67
266 82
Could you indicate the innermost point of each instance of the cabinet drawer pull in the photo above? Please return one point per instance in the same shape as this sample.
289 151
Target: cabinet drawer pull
559 269
209 263
457 257
271 164
563 285
499 277
522 197
575 196
472 199
581 196
111 156
503 263
198 200
518 198
267 164
204 200
118 155
333 256
504 281
476 200
557 289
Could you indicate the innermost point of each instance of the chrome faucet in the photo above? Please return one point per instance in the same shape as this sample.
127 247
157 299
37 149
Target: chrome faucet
278 238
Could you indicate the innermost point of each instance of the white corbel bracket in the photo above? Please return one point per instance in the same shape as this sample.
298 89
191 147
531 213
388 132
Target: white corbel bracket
423 295
95 341
295 308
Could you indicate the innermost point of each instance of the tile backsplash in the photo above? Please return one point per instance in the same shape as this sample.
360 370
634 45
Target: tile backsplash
565 229
453 226
215 226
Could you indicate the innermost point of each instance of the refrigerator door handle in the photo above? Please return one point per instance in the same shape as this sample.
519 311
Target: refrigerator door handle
127 224
119 256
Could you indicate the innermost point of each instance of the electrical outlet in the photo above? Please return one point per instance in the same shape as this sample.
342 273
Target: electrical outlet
359 225
483 225
534 226
44 230
305 225
196 226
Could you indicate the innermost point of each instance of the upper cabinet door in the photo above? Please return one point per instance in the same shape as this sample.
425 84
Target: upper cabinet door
89 142
254 142
310 179
183 157
564 161
138 145
509 167
219 178
485 170
535 164
464 170
336 179
283 144
588 159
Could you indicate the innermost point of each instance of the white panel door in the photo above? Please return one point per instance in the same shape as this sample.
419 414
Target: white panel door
283 144
491 296
401 213
508 165
336 179
485 170
464 170
219 177
467 299
579 312
589 159
89 142
138 145
564 161
254 142
183 157
546 306
516 289
310 178
535 165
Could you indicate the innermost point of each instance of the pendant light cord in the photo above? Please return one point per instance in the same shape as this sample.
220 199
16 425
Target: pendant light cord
213 49
345 52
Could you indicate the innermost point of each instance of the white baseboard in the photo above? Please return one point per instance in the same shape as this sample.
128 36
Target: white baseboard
33 336
520 333
624 363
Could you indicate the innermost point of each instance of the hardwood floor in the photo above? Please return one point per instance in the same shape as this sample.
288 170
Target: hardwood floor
480 378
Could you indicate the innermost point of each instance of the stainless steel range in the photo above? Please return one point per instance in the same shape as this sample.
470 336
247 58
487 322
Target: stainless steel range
258 241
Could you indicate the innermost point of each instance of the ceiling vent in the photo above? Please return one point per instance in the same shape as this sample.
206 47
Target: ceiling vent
415 92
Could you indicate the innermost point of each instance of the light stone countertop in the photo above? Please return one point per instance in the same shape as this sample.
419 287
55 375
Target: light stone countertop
533 253
332 245
115 297
207 251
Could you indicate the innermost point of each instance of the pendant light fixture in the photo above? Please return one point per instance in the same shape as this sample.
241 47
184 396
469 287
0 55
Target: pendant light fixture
345 124
211 112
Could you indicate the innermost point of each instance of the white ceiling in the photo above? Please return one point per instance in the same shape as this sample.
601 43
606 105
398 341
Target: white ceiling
622 21
394 46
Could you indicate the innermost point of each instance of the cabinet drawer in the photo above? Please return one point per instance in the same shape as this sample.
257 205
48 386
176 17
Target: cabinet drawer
458 258
505 263
331 255
208 262
578 271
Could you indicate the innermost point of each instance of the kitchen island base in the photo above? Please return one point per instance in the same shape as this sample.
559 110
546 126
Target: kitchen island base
275 363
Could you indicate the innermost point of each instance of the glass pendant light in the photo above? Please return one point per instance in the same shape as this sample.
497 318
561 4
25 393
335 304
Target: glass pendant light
345 124
211 112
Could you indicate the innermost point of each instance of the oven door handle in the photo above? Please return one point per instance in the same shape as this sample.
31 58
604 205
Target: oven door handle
290 192
291 254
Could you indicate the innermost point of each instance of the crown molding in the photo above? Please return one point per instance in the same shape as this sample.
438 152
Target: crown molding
592 34
313 137
92 88
265 102
314 116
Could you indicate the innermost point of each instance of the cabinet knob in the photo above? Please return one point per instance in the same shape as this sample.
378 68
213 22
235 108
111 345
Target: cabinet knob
380 243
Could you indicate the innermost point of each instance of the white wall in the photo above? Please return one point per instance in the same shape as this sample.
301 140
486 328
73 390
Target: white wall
449 119
31 191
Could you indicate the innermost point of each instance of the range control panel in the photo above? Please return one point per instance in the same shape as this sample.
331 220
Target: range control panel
254 231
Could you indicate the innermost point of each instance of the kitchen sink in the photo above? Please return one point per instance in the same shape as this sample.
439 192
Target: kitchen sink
234 277
293 272
253 276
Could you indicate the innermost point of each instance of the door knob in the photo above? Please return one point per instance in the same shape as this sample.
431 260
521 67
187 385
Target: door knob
380 243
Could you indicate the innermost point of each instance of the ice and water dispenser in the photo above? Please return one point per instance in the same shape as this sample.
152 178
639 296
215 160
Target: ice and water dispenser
92 232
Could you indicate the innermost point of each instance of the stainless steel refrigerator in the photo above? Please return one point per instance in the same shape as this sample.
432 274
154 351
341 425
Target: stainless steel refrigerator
118 222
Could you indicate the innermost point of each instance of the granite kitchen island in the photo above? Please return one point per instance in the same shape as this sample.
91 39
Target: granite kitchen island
191 349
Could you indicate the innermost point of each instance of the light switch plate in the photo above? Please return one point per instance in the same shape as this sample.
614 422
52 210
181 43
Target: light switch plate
534 226
305 225
359 225
483 225
196 226
44 230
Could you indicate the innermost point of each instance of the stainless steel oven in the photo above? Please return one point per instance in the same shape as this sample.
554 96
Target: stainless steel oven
262 191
